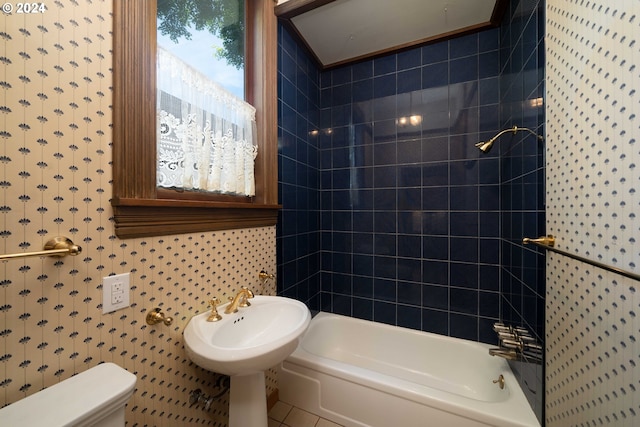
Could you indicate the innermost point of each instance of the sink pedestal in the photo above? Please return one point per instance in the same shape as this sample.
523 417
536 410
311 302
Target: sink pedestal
248 401
244 345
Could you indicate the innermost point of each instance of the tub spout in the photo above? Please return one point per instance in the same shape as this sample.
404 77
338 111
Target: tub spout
507 353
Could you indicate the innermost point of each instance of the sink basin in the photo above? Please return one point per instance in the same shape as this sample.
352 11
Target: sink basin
252 340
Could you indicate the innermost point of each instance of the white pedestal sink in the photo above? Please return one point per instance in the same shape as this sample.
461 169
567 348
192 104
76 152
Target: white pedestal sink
245 344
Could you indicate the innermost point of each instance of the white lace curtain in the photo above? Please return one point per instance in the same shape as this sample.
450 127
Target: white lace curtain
205 134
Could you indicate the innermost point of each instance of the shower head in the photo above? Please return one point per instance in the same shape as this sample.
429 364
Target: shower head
485 146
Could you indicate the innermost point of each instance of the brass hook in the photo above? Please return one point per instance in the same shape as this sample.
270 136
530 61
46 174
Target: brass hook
156 316
264 276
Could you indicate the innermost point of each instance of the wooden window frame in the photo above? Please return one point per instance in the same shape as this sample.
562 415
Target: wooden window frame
140 208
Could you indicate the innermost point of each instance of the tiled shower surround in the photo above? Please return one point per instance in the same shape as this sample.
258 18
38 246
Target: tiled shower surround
389 211
409 221
522 186
590 194
522 182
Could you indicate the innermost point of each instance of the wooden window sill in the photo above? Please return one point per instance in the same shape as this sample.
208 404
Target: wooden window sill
153 217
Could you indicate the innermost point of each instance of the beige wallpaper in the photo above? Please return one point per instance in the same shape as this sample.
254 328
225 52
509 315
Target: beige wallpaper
593 202
55 154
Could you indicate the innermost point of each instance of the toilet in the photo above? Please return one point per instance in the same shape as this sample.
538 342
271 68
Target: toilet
95 397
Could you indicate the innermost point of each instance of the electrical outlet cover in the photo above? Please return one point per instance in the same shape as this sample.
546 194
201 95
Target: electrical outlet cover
115 292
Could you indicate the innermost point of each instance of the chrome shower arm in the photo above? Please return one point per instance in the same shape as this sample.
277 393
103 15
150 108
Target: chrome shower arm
502 132
485 146
516 128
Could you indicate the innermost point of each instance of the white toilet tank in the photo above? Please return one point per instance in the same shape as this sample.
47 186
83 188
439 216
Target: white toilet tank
95 397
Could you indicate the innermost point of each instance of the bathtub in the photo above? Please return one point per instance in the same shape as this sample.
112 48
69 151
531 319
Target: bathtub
360 373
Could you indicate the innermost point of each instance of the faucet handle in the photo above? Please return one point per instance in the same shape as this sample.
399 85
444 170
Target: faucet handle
510 343
501 327
214 316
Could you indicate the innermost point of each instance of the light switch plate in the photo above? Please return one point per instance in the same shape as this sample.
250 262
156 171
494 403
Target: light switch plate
115 292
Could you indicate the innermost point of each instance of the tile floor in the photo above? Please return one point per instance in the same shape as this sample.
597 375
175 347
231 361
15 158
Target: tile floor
284 415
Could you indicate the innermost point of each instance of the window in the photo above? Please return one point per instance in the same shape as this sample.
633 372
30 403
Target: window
208 35
142 209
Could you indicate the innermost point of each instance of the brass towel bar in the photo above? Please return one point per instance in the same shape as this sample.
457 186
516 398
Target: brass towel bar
58 246
548 243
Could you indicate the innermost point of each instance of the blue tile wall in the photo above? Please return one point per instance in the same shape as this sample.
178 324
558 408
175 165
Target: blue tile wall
522 189
298 229
522 163
389 212
410 213
409 222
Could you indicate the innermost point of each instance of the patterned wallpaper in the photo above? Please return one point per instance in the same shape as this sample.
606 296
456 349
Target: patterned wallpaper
592 205
55 155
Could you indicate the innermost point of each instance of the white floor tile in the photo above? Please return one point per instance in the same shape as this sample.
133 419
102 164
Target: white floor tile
326 423
280 411
299 418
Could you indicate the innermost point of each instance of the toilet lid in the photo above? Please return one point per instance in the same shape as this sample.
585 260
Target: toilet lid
88 396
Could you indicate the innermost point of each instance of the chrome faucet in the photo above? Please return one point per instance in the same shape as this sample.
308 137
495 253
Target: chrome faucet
516 343
240 300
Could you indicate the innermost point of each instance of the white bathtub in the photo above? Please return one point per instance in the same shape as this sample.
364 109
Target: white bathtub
360 373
